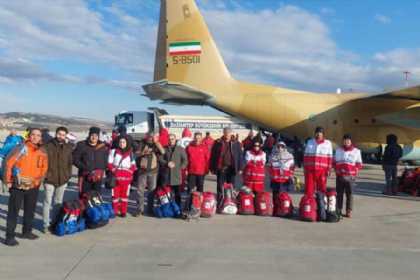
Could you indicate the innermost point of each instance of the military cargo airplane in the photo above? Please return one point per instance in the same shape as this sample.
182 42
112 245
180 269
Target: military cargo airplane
189 69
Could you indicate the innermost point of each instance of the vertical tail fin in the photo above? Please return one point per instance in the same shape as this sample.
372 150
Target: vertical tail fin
186 52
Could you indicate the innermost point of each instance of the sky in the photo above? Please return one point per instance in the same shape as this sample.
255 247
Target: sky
89 58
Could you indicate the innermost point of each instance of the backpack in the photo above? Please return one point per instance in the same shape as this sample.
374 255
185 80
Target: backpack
208 205
97 212
8 147
228 205
263 204
70 219
164 205
308 209
321 201
246 202
332 215
283 205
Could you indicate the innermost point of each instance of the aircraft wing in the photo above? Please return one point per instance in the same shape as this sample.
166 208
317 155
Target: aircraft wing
175 93
404 106
411 93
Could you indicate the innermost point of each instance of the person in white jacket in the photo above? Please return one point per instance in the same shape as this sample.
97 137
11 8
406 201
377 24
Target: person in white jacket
347 163
122 165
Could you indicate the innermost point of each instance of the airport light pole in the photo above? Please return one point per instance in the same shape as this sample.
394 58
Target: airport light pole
406 74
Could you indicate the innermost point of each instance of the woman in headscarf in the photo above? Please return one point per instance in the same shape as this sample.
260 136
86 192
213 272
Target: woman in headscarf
282 167
122 164
254 173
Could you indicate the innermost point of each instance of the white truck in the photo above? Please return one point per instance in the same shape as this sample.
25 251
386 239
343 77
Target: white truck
138 123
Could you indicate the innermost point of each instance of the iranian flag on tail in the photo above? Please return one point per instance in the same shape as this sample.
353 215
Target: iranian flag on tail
185 48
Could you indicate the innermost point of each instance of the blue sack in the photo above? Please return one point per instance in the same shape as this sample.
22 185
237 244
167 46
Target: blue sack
93 215
176 209
167 210
110 209
164 205
104 212
69 220
81 225
157 211
60 229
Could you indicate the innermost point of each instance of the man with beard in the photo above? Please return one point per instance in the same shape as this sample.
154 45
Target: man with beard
91 158
147 154
59 172
226 161
317 163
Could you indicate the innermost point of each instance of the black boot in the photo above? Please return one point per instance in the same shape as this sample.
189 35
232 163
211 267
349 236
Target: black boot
30 236
12 242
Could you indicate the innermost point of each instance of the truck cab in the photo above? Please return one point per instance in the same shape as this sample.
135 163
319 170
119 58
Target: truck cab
137 123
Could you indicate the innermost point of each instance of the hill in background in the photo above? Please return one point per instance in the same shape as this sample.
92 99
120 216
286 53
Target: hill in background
21 121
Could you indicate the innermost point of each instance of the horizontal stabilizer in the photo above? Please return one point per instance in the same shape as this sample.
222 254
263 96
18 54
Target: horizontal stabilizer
175 93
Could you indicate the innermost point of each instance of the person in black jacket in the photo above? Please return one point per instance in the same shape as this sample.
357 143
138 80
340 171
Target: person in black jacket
91 158
226 161
393 153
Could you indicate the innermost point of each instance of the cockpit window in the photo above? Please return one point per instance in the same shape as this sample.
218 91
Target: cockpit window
123 119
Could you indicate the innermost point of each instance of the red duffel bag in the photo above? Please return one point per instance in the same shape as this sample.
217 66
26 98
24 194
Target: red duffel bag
208 206
263 204
308 209
283 205
245 202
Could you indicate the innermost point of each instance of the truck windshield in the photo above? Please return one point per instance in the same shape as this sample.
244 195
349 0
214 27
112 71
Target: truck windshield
123 119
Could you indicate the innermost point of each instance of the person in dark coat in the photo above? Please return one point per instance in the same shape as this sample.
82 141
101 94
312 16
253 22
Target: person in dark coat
392 155
60 163
297 151
226 161
172 162
91 158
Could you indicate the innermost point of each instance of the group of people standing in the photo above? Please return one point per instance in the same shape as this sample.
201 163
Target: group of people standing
318 161
163 160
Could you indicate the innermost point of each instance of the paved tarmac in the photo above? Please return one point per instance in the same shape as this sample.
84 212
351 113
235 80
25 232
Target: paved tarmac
382 241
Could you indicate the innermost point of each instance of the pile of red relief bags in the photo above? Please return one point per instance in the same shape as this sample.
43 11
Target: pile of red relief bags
410 181
246 202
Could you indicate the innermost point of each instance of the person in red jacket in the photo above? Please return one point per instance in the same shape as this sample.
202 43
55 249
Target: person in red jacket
198 163
317 163
122 165
247 143
254 173
164 137
208 140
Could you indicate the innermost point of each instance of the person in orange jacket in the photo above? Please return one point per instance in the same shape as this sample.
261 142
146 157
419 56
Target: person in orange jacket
25 169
